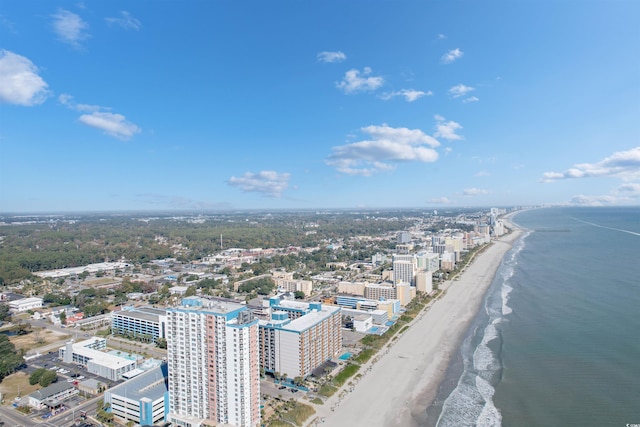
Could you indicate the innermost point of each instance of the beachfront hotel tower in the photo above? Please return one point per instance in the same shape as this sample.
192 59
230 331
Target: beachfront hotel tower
213 359
299 337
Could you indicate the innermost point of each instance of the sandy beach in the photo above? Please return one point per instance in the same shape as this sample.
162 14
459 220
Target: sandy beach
401 381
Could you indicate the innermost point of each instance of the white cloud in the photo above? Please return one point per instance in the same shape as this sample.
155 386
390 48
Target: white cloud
70 28
447 130
112 124
582 200
20 83
410 95
385 145
474 192
482 173
355 81
178 202
471 99
621 164
269 183
631 189
126 21
451 56
67 100
441 36
440 201
460 90
331 57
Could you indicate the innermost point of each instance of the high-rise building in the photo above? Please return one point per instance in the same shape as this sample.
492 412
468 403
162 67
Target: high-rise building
143 323
404 271
403 237
299 337
213 358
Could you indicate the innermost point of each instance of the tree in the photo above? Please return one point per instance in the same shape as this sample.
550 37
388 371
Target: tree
161 343
34 378
47 378
191 291
63 317
22 328
43 376
5 314
10 360
299 294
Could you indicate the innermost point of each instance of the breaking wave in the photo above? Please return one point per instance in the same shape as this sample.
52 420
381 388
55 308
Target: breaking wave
471 401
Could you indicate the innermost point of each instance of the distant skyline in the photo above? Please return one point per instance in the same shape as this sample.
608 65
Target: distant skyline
143 106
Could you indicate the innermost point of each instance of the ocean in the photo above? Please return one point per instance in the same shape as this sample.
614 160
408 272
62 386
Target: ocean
557 342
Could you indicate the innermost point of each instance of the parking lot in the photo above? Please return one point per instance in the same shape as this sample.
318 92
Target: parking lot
67 371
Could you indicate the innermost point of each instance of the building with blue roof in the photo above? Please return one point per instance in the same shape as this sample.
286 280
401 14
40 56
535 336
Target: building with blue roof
299 337
143 399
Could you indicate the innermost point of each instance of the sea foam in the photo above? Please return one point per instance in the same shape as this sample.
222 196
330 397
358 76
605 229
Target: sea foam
471 402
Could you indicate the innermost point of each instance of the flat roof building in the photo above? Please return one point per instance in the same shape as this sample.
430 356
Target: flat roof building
143 399
213 361
142 323
25 304
299 337
88 354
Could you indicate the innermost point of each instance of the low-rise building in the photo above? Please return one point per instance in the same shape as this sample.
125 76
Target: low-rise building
143 399
87 353
362 322
52 396
25 304
378 317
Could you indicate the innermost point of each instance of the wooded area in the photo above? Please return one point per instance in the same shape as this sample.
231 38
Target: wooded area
28 248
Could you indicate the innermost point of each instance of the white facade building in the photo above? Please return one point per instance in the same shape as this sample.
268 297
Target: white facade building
25 304
88 354
299 337
404 271
292 285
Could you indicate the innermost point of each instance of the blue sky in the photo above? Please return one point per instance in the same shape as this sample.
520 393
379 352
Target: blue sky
156 105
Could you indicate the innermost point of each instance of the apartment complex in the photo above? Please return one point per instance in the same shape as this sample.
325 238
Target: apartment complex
293 285
143 323
299 337
213 360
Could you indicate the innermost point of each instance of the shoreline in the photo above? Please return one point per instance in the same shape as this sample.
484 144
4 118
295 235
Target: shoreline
404 378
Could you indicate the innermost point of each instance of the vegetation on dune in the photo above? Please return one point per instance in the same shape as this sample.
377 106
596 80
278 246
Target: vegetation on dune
290 413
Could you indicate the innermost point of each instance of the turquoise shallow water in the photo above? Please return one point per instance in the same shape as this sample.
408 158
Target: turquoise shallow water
558 341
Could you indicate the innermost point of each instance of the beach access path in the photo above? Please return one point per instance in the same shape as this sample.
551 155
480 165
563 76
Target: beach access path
402 379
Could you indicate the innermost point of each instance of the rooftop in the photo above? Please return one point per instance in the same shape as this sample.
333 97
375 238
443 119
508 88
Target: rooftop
143 313
51 390
204 305
151 384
